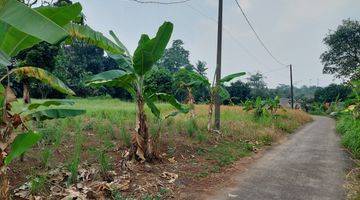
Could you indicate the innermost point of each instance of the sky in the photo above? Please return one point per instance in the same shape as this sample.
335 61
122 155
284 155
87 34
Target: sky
293 30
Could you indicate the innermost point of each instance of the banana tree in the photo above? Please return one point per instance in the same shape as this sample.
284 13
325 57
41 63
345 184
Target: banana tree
131 78
198 79
273 105
22 27
13 143
50 24
188 84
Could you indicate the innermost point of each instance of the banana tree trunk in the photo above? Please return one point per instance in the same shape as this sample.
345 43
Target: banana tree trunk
191 102
210 114
26 91
27 100
4 181
142 144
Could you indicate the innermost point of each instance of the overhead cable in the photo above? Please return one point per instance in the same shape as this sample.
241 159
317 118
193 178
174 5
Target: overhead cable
257 35
160 2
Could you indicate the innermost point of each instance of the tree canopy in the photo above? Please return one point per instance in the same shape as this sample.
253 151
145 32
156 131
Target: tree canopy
258 85
239 91
342 58
175 57
332 93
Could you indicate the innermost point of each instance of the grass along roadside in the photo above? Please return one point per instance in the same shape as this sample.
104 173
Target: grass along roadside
97 140
349 128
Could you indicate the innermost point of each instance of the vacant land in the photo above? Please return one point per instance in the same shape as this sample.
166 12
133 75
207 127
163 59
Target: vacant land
83 157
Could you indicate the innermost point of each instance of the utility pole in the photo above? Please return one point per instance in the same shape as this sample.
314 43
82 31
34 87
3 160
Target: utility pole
291 87
218 66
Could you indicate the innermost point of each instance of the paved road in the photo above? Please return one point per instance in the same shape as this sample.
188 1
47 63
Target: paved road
309 166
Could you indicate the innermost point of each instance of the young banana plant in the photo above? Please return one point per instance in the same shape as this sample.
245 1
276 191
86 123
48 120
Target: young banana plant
222 92
198 79
189 85
273 105
131 78
247 105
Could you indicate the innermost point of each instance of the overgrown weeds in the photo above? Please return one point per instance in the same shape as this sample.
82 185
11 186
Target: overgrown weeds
349 128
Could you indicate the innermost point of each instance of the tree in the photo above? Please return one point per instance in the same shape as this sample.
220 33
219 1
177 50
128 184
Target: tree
132 78
62 2
283 90
332 93
43 54
257 85
239 91
78 62
175 57
201 67
159 80
342 58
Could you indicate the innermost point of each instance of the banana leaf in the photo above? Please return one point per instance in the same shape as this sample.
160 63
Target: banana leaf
49 114
21 144
45 77
149 51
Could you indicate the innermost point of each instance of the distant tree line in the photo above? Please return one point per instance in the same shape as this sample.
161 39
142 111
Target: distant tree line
75 63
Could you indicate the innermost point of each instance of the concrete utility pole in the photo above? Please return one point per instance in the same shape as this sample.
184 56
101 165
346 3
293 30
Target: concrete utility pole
218 66
291 87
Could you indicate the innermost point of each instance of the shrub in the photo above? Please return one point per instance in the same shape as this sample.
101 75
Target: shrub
349 128
191 127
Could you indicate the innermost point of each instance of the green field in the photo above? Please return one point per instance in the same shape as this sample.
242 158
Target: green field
99 138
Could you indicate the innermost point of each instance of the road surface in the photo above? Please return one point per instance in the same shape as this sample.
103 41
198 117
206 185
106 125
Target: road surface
308 166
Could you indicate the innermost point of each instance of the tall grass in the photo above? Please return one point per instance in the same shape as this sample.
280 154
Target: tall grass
349 128
108 124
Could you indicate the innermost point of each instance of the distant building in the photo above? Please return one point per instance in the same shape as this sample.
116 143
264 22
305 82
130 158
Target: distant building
286 103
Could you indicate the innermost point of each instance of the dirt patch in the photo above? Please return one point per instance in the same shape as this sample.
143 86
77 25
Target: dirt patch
177 176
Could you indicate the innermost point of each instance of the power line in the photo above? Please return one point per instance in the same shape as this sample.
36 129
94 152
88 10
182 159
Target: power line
226 29
212 19
275 70
257 35
230 34
160 2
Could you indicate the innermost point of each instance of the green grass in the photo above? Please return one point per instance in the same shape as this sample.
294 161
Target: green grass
349 128
112 120
37 184
97 136
228 152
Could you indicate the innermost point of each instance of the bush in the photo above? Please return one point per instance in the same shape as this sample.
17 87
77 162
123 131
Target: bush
349 128
191 127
